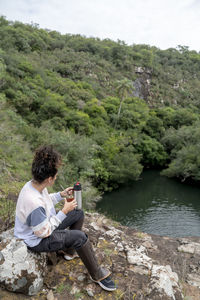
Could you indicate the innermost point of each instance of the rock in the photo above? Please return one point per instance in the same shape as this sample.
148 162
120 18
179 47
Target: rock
119 247
152 265
193 248
21 270
90 289
74 289
113 232
164 281
144 266
95 226
193 279
141 70
1 258
90 293
138 257
81 277
50 295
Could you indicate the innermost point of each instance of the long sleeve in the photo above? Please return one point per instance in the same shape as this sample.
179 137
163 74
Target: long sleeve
41 225
36 217
55 197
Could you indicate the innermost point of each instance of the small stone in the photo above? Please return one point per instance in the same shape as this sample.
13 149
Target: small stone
126 273
90 293
120 246
74 290
95 226
113 232
81 277
50 295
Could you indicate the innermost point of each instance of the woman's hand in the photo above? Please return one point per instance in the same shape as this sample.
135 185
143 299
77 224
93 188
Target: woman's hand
68 206
67 192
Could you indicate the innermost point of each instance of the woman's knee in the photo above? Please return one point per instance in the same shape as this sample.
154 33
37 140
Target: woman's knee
81 213
76 214
76 239
82 239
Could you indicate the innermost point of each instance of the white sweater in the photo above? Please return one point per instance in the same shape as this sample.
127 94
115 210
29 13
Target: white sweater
36 217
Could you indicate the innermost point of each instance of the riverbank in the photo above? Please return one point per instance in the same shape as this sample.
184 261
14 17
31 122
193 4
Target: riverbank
144 266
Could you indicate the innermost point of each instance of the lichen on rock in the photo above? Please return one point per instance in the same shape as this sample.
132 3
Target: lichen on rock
20 270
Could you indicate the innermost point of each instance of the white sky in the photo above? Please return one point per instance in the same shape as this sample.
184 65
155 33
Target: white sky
160 23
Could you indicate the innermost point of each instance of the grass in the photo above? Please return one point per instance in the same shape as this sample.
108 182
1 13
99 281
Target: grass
79 295
108 252
140 235
63 287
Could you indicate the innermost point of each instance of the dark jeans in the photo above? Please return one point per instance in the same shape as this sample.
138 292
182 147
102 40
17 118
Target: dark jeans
62 239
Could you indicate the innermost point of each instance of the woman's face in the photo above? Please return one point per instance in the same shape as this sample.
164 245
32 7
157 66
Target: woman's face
52 180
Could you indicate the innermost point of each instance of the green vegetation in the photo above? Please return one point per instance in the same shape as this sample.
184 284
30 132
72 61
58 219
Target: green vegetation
62 287
110 109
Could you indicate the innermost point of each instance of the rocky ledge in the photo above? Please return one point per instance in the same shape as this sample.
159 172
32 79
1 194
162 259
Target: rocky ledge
144 267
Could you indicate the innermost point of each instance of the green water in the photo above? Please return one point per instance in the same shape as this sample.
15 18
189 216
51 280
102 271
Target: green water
155 204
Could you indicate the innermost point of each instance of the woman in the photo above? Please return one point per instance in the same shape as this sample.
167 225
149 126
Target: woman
44 230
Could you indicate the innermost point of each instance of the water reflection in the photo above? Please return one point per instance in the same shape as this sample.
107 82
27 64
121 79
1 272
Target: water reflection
155 204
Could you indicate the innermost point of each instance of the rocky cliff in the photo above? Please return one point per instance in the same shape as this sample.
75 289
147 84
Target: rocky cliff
144 267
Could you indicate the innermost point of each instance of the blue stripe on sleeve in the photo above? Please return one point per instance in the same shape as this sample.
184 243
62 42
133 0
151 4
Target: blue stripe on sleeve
36 217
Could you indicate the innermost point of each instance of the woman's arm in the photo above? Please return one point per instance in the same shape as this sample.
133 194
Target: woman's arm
57 197
43 226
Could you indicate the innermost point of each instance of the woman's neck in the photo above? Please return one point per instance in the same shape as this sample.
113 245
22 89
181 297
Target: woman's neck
38 186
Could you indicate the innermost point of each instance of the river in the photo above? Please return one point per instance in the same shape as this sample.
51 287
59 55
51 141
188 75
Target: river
155 204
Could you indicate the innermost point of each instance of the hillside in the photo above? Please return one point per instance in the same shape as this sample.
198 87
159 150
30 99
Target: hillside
109 108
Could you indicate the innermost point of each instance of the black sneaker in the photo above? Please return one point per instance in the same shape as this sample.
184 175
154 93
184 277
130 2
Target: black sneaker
107 284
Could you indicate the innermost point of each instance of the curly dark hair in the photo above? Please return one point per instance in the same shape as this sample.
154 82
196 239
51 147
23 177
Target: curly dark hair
45 163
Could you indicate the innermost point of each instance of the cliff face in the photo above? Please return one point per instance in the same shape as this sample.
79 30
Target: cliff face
143 266
142 84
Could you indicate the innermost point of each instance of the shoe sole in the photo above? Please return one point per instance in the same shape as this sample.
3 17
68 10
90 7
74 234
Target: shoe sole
105 288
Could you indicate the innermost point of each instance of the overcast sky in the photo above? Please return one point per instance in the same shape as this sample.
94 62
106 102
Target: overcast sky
160 23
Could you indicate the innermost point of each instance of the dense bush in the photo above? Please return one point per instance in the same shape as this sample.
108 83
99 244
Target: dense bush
109 108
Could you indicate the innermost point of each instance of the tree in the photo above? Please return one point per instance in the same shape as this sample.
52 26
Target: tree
124 87
152 151
2 73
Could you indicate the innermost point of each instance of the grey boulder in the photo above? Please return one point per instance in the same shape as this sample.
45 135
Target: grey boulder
20 269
